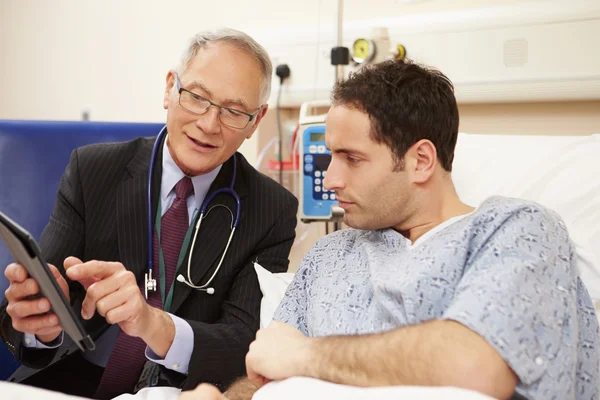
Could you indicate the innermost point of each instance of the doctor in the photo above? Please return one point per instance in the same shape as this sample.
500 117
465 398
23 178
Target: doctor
195 327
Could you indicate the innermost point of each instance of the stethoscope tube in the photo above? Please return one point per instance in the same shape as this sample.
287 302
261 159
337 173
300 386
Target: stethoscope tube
203 213
157 143
150 283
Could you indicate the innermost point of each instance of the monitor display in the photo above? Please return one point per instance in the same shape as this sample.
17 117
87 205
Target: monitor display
317 137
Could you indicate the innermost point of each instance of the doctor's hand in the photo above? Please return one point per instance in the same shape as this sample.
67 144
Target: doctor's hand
279 352
111 290
30 313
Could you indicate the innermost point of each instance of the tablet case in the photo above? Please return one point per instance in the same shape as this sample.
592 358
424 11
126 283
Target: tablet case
26 252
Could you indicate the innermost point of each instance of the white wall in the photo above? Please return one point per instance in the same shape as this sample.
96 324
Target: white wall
495 52
112 56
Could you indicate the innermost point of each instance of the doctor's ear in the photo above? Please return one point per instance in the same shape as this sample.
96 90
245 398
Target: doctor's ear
256 120
170 83
423 158
261 113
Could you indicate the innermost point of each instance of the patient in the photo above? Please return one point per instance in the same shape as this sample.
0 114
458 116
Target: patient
426 290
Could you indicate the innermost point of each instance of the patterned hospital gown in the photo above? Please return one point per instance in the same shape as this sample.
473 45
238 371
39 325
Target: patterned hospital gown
507 271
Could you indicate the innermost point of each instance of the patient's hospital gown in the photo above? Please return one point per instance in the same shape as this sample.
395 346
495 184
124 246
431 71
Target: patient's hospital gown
507 271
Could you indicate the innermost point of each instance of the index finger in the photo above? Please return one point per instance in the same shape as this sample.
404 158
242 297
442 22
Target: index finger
16 273
94 269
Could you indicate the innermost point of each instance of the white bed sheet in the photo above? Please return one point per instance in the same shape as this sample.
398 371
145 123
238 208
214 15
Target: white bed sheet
290 389
301 388
17 391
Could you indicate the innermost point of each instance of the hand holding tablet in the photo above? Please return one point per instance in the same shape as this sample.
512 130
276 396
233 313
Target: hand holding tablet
38 294
29 310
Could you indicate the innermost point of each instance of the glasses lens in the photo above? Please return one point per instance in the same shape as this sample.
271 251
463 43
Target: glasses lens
234 118
199 105
193 102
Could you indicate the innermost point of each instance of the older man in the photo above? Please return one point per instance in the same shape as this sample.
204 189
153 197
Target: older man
196 327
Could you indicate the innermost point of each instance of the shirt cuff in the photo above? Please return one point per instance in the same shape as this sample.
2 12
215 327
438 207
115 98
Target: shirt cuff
30 341
180 352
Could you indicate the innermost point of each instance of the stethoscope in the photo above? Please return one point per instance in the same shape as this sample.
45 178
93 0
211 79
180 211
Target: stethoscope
150 283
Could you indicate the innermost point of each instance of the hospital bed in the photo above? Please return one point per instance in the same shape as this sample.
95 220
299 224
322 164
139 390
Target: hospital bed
560 172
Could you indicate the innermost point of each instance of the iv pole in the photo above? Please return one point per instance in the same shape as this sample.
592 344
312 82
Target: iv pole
340 56
339 68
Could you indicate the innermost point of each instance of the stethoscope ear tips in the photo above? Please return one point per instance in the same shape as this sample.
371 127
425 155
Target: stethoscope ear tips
181 278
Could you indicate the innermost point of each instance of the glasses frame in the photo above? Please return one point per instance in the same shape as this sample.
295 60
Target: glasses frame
212 104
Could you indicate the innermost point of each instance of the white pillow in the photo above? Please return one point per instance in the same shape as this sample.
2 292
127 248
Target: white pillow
559 172
273 287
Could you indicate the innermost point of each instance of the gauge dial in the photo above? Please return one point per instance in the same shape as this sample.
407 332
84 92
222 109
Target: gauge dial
363 50
400 52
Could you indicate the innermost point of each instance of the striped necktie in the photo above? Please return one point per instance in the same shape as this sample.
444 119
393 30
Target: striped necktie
127 358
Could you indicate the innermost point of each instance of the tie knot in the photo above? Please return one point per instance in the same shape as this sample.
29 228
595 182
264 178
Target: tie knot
184 188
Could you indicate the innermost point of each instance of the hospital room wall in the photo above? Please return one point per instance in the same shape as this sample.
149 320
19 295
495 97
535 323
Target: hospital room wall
110 58
537 118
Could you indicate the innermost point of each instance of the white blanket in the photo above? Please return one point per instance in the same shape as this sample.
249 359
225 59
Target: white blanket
290 389
314 389
17 391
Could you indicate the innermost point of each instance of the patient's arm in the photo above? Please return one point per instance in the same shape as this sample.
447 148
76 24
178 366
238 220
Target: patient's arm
437 353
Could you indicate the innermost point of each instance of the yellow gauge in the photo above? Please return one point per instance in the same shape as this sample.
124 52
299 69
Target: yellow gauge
363 50
400 52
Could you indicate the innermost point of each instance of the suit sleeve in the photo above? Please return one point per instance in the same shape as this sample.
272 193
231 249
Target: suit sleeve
62 237
220 349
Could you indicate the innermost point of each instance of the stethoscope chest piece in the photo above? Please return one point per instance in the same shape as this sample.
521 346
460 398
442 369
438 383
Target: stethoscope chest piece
149 283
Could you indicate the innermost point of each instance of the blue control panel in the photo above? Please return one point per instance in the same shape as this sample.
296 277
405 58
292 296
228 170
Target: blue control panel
317 200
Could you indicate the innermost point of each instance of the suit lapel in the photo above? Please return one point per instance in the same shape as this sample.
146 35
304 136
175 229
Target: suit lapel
132 225
214 231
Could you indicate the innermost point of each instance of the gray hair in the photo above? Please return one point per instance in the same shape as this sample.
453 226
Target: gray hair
238 39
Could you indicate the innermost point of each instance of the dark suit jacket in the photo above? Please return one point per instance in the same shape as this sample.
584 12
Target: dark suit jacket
100 213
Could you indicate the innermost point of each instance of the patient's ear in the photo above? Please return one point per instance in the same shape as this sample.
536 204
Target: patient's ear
421 160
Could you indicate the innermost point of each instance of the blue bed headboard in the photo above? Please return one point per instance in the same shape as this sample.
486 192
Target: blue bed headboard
33 157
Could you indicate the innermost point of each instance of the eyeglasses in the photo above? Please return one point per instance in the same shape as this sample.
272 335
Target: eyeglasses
199 105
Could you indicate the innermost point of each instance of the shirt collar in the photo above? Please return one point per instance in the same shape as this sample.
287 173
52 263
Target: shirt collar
171 174
392 234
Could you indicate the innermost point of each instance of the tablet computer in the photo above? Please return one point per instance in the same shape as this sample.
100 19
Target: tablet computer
26 252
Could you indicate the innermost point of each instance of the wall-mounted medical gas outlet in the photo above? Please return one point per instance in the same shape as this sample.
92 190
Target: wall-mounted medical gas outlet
374 50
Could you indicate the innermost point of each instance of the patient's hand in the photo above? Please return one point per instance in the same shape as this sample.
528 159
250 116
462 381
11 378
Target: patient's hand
204 391
279 352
